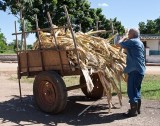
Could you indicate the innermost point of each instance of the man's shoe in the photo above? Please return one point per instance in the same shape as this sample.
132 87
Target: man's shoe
131 112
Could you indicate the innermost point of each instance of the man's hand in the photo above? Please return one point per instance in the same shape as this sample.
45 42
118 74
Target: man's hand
123 39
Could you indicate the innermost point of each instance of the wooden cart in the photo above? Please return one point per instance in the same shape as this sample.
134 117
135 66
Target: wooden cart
48 66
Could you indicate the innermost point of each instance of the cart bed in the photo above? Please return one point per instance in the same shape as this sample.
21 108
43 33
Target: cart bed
31 62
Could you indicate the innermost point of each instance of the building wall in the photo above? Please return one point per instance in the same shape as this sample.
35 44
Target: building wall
153 44
152 50
153 59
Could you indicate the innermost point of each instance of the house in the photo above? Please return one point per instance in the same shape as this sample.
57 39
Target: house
152 45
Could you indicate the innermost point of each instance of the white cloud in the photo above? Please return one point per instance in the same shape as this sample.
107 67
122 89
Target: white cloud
103 4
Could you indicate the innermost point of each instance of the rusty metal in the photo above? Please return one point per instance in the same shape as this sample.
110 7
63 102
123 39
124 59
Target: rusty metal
76 87
47 92
97 91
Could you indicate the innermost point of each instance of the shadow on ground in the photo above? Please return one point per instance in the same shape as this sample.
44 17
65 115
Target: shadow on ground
18 112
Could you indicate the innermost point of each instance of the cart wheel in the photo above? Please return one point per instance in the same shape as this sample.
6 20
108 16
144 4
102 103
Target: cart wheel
97 91
50 92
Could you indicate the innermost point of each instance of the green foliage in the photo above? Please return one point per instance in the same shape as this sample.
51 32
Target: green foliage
142 28
2 47
9 51
157 21
3 44
151 27
12 45
29 47
28 25
118 26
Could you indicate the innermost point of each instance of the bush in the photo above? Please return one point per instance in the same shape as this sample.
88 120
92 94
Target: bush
3 47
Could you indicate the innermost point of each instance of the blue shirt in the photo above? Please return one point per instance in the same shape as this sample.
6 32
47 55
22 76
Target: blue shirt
135 55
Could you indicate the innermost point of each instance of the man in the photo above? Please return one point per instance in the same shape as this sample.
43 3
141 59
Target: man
135 68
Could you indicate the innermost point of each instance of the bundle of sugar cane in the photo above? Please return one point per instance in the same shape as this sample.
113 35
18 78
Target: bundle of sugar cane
95 53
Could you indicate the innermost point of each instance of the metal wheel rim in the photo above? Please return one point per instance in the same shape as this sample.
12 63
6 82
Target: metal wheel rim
47 93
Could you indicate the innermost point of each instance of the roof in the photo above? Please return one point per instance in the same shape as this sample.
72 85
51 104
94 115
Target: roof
150 36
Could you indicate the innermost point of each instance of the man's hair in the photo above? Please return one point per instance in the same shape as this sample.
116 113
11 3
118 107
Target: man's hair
135 32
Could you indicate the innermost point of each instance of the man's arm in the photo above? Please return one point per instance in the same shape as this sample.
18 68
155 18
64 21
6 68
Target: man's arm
121 40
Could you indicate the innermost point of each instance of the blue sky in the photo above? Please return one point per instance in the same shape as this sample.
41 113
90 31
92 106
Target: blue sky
130 13
7 27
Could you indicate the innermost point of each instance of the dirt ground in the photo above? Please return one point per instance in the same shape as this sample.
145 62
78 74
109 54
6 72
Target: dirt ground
15 113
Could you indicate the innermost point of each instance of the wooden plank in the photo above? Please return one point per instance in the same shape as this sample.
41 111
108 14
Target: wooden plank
51 62
23 60
55 67
34 59
51 57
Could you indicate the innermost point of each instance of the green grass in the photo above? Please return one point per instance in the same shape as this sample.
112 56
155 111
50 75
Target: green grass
9 52
23 79
71 80
150 87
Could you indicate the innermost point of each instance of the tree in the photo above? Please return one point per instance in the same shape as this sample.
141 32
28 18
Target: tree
12 46
151 27
157 21
82 16
142 27
3 44
29 46
118 26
